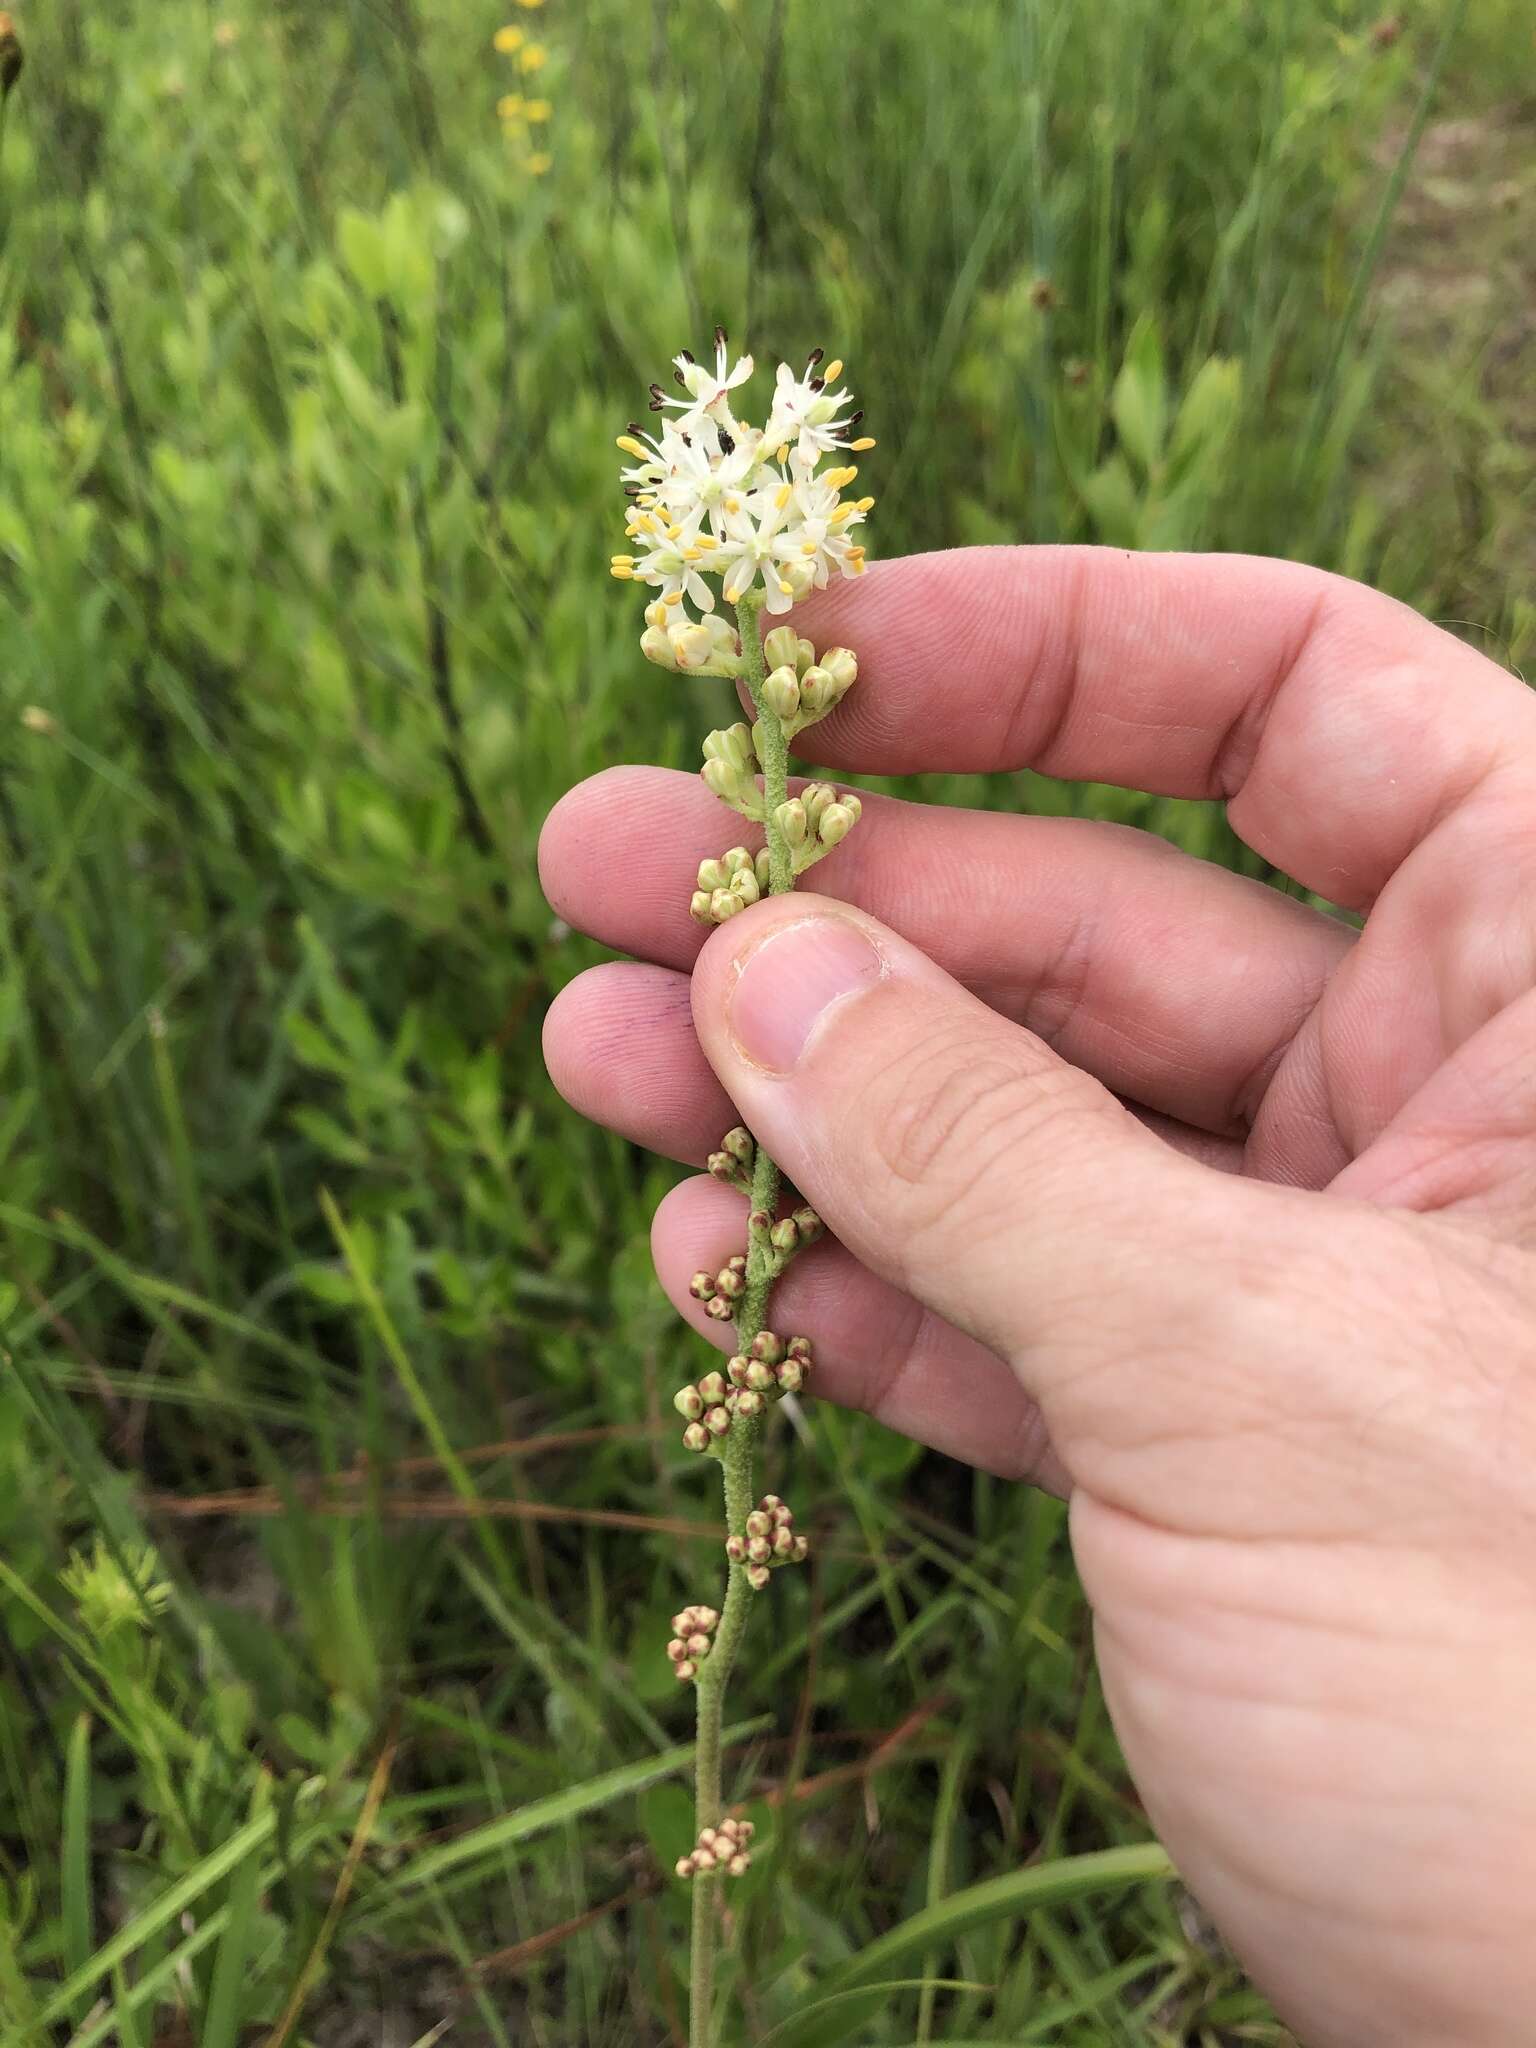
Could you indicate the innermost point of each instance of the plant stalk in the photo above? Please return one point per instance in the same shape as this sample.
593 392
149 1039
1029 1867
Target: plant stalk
739 1448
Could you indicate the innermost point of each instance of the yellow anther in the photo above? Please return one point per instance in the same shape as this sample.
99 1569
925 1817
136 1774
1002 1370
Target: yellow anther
624 575
783 454
672 597
864 504
733 504
864 441
706 540
626 561
808 547
787 588
833 371
693 554
630 445
673 532
782 496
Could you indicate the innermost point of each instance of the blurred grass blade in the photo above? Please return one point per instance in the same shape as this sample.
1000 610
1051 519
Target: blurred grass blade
75 1870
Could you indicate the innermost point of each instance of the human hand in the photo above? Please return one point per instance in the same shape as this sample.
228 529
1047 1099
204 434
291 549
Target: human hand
1274 1330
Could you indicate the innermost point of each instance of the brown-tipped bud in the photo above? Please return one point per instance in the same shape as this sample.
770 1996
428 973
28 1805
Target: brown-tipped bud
717 1421
759 1220
725 903
808 1223
784 1237
698 1646
759 1377
758 1576
763 869
713 875
769 1505
702 1286
737 1371
682 1622
791 1376
684 1866
801 1551
711 1389
836 822
721 1164
783 1543
736 1549
689 1403
741 1145
677 1649
781 693
749 1404
737 1265
739 1864
745 1831
800 1348
730 1284
703 1859
778 1511
767 1347
759 1550
718 1309
759 1524
695 1437
818 692
686 1672
708 1839
781 648
841 664
693 645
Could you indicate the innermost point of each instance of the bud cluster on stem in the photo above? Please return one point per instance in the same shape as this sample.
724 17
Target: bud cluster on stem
723 1848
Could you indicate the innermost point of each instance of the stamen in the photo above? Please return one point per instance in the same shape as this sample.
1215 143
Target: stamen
813 359
833 371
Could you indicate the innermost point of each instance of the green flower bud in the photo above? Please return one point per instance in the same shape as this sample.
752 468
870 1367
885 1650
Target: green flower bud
763 868
767 1347
781 693
818 692
816 796
785 1236
781 648
711 1388
741 1145
759 1549
739 1864
689 1403
810 1227
718 1309
727 647
805 656
731 1285
841 664
749 1404
717 1421
698 907
835 823
695 1437
724 905
736 1370
657 647
733 860
731 743
792 822
801 1551
791 1376
759 1376
800 1347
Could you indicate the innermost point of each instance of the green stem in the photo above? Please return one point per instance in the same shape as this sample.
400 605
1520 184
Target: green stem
739 1447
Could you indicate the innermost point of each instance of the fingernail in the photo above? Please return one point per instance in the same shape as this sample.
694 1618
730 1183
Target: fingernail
791 981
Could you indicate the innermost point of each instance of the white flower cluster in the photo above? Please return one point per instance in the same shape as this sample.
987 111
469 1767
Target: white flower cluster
712 497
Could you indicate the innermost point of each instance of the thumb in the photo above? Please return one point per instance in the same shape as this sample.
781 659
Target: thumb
956 1155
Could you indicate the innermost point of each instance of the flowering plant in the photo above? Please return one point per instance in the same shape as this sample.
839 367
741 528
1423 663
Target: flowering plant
760 511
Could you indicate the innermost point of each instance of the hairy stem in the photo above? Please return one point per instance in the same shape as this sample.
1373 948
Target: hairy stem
739 1448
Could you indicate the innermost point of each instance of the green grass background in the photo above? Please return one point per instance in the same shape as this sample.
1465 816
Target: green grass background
338 1523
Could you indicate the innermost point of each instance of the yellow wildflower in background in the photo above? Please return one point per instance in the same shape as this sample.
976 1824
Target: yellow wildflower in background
534 58
540 160
508 39
536 110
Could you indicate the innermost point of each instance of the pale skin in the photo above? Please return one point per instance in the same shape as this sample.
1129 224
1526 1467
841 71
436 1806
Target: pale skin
1183 1198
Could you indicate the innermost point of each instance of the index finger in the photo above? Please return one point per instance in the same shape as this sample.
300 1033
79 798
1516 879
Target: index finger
1339 725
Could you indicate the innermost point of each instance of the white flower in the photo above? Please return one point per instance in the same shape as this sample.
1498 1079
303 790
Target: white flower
805 413
706 391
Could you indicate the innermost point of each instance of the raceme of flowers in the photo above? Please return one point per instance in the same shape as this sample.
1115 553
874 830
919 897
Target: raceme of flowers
716 500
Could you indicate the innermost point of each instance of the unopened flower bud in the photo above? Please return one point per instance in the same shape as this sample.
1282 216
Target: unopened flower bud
800 1347
692 645
695 1437
711 1389
736 1370
778 1511
759 1523
657 614
801 1551
757 1576
818 692
686 1671
731 1285
717 1421
703 1859
657 647
759 1549
722 634
699 907
783 1541
816 796
836 822
741 1145
739 1864
721 1165
805 656
689 1403
702 1286
791 1376
684 1866
708 1839
808 1224
759 1377
781 648
842 665
724 781
725 904
698 1646
785 1236
718 1309
677 1649
736 1549
732 744
781 693
767 1347
749 1403
792 821
796 579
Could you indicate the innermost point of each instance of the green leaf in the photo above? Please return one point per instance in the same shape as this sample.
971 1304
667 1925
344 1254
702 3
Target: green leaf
938 1927
1139 402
